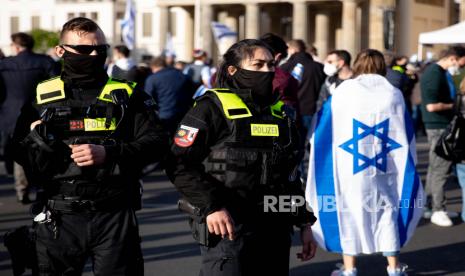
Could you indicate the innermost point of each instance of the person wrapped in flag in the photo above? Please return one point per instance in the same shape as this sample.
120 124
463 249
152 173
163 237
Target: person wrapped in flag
362 183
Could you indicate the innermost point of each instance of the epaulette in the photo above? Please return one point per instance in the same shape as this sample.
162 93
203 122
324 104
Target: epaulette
51 90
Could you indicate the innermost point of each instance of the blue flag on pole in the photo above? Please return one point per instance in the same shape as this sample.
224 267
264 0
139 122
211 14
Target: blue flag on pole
127 25
362 183
221 31
224 36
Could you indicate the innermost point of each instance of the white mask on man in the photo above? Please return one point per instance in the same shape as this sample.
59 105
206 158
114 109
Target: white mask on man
454 70
330 69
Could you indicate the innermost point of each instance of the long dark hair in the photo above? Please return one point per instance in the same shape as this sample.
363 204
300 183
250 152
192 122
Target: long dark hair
235 55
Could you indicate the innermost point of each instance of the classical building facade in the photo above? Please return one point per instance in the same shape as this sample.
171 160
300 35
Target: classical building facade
183 25
26 15
332 24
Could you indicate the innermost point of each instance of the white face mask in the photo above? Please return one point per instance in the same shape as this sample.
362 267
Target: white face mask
330 69
453 70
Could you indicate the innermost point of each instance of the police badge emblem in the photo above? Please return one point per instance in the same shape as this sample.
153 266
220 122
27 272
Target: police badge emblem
185 136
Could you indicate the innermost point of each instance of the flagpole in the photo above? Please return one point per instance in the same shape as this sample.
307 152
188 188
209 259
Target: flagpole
197 22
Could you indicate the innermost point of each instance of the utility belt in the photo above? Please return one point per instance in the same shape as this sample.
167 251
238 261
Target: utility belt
71 205
74 204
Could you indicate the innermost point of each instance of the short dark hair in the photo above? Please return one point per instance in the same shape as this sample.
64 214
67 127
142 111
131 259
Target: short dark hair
123 50
313 50
452 51
369 61
459 50
158 62
397 59
24 40
79 24
299 44
278 44
342 54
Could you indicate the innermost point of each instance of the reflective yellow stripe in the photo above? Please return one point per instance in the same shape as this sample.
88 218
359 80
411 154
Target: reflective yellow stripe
54 89
277 109
398 69
264 130
114 85
232 102
50 90
98 124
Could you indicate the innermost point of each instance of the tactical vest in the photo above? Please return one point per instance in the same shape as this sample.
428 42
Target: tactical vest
260 150
80 119
81 122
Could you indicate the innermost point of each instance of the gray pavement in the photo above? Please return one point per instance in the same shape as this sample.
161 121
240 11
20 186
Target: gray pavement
170 251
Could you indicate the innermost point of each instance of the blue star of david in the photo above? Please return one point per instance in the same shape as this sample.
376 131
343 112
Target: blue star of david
361 161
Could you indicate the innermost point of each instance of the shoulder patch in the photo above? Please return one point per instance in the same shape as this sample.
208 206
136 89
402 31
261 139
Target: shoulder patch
185 136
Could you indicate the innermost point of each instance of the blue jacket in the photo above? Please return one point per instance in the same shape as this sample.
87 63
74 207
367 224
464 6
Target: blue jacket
19 76
172 90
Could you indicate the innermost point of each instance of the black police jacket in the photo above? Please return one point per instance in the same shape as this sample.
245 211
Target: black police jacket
233 154
19 75
137 141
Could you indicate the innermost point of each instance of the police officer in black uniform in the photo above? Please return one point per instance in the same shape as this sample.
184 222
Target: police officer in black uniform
233 151
88 147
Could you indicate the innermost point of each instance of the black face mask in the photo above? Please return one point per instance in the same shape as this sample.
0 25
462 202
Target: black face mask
84 70
261 84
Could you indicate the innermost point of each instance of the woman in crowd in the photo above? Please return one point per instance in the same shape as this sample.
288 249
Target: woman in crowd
362 160
232 150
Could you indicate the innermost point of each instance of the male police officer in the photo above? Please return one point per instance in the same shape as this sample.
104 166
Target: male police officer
94 136
232 152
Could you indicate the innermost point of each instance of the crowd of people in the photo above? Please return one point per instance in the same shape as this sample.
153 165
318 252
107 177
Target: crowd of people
227 135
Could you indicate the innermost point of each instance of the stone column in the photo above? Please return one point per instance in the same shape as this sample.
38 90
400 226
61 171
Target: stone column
322 33
376 24
300 21
163 23
222 16
188 35
231 22
349 17
205 30
462 10
252 16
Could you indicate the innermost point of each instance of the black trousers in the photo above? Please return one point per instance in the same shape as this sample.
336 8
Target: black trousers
258 249
110 239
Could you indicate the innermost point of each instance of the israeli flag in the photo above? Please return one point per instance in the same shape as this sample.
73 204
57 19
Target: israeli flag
362 183
224 36
298 72
127 25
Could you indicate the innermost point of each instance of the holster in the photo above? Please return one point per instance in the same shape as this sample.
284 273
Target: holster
198 224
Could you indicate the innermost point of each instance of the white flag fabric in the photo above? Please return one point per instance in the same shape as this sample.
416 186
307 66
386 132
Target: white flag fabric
362 183
169 46
127 25
224 36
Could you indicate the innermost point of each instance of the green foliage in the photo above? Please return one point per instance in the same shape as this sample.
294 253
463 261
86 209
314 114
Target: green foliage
44 40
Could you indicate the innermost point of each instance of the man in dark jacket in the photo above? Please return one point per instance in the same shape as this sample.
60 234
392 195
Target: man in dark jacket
283 82
310 76
19 76
437 111
172 91
123 67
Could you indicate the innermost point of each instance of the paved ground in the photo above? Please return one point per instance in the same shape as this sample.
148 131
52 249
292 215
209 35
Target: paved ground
169 250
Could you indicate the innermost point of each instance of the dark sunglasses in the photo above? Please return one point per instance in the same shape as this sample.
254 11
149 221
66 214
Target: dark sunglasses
87 49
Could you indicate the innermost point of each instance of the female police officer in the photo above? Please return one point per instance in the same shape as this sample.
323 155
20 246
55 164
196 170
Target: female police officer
234 153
